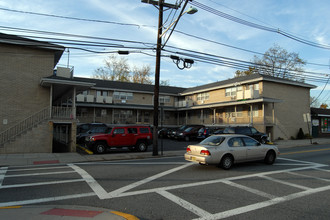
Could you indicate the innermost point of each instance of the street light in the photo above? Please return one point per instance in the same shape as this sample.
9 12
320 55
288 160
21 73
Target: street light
157 68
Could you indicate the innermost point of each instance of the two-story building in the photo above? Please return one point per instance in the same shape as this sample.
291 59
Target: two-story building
40 108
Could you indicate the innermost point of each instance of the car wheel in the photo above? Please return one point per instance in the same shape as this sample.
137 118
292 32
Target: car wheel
227 162
270 157
141 146
187 138
100 148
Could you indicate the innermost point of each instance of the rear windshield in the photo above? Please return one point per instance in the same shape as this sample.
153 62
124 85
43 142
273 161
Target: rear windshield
213 140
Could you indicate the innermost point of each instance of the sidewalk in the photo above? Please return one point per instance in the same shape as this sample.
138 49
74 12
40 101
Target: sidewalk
76 157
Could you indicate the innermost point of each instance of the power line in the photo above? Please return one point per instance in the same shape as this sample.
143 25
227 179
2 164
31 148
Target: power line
257 26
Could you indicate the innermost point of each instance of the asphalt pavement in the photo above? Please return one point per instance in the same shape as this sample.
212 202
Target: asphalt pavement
83 155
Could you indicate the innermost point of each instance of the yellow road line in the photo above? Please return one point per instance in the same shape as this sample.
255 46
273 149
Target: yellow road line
11 207
126 216
85 149
306 151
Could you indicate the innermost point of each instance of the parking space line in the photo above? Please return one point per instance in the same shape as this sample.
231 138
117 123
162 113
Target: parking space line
49 199
311 177
184 204
40 184
38 168
3 171
286 183
260 205
38 174
119 191
95 186
251 190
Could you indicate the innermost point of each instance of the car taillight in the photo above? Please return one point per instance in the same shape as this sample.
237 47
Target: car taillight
205 132
188 150
205 152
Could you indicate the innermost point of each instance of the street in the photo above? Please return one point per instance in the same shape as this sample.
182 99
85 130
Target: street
297 186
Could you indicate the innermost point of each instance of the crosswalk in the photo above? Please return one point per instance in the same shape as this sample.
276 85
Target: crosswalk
288 173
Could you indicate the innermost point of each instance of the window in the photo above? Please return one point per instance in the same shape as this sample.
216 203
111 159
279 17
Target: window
123 95
250 142
243 130
119 131
203 96
164 99
239 111
101 93
144 130
235 142
132 130
229 92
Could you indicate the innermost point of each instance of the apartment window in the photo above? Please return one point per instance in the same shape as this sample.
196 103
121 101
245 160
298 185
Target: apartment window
239 112
229 92
101 93
164 99
146 117
255 111
123 95
85 92
203 96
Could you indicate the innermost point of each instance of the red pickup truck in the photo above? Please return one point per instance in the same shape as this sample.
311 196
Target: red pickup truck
136 138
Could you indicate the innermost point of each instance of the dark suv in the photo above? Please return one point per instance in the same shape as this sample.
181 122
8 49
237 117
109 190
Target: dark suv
135 137
249 131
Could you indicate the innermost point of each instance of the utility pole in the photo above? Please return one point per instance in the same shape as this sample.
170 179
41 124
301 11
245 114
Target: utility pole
161 5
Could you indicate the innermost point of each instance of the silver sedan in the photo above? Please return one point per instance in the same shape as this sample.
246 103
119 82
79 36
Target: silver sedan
225 150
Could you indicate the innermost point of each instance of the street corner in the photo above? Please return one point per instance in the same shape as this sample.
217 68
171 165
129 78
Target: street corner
62 212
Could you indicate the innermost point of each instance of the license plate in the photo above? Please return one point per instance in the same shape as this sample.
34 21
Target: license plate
193 158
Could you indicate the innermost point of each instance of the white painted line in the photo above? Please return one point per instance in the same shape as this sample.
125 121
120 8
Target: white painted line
300 161
184 204
119 191
95 186
251 190
40 184
38 168
140 163
290 164
49 199
38 174
286 183
3 171
264 204
311 177
317 168
186 185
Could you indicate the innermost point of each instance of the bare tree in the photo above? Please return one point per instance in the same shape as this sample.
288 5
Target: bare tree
277 62
141 75
114 69
280 63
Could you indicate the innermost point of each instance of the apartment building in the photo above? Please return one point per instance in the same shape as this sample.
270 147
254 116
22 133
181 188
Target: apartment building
40 108
272 105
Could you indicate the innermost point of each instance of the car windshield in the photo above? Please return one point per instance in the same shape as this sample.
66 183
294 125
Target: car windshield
213 140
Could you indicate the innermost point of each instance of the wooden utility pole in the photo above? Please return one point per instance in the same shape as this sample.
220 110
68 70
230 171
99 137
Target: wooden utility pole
161 5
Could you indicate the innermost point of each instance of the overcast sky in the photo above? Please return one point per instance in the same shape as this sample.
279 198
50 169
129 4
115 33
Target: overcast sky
204 32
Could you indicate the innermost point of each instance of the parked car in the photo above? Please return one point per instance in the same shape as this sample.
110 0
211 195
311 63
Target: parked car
228 149
134 137
190 133
80 138
83 128
249 131
205 132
